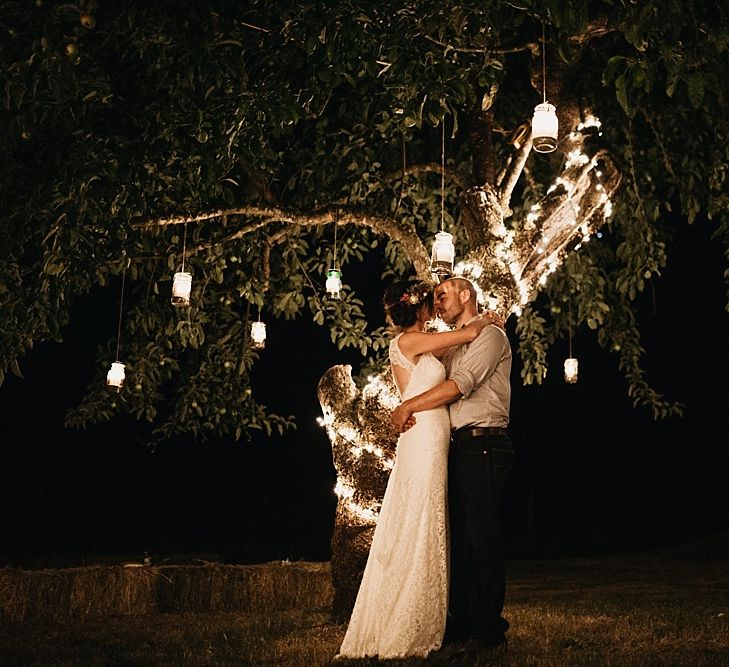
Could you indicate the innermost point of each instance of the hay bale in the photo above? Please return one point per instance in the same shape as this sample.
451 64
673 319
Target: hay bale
75 592
238 588
98 591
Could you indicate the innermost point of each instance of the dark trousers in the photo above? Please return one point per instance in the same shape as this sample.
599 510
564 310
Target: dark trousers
477 472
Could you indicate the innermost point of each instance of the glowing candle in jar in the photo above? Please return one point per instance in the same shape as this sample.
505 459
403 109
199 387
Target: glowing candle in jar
258 335
444 252
115 376
545 127
334 283
570 370
181 288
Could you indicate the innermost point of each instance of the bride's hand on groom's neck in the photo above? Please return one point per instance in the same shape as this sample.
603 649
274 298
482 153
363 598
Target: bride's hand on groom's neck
492 317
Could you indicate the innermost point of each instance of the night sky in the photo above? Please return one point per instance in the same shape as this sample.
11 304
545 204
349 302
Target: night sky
593 475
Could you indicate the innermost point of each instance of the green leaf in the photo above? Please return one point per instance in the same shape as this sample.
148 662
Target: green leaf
696 88
621 92
611 68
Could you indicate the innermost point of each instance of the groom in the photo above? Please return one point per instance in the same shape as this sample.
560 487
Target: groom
478 394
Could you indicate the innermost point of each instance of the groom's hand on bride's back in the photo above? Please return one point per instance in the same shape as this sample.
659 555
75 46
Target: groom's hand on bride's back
401 419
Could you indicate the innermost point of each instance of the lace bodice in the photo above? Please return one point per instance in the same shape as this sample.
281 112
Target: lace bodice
397 358
426 373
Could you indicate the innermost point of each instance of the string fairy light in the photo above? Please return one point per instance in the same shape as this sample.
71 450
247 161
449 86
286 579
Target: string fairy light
575 158
378 389
503 250
345 491
375 389
356 450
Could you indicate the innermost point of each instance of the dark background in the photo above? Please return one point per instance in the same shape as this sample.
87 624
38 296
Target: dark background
593 474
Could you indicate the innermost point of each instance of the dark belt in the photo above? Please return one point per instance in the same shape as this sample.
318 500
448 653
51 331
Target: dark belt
469 432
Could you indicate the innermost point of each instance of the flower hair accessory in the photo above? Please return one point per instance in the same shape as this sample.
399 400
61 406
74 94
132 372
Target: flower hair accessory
416 294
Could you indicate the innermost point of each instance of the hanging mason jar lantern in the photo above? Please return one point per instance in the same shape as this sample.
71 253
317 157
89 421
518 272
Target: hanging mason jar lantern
258 335
181 288
334 283
545 128
570 370
115 376
444 252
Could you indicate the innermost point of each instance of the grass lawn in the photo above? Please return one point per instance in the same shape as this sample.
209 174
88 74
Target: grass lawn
668 607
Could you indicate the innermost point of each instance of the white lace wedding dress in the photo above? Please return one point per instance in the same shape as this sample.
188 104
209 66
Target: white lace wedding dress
403 598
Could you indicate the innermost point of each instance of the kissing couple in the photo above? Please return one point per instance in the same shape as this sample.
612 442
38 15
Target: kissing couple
435 571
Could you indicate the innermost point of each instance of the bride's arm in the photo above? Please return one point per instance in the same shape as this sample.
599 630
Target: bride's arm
485 318
415 343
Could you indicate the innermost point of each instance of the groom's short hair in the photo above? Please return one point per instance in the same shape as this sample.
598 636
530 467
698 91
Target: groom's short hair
465 284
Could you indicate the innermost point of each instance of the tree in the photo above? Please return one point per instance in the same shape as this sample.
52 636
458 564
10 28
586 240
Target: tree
249 131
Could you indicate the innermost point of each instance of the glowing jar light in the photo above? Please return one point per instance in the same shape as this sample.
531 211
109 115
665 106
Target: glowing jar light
444 252
334 283
545 127
258 335
115 376
181 288
570 370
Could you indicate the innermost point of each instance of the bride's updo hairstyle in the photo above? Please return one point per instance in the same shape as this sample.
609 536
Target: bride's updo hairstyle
404 298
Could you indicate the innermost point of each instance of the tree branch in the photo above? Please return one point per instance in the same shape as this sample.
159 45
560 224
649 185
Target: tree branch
569 213
650 119
512 173
384 226
486 51
481 214
198 217
272 240
595 29
425 168
480 128
254 27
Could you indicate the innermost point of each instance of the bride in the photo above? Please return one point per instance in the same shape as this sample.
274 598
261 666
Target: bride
402 601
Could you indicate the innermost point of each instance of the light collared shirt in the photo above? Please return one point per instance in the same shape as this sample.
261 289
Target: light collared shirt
481 369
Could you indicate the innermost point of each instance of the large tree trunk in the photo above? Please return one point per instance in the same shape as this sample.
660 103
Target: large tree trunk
363 448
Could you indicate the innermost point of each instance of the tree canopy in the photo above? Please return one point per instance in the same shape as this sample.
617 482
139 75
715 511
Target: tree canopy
250 131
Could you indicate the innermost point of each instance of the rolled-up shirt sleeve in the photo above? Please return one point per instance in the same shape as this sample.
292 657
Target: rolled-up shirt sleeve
479 360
